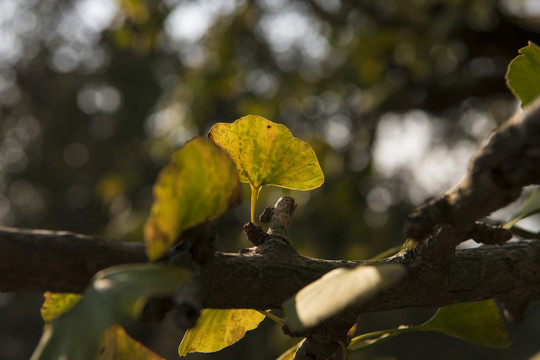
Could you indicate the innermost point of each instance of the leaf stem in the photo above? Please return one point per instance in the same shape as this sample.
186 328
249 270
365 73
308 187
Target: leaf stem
272 317
379 336
254 196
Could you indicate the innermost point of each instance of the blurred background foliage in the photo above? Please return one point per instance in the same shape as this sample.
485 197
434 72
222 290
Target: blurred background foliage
394 96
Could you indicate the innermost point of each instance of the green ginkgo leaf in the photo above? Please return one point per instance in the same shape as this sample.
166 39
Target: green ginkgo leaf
479 323
115 295
199 183
216 329
530 207
523 74
267 153
336 290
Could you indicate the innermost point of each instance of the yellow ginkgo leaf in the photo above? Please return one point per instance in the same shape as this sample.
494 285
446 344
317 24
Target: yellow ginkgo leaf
266 153
198 184
216 329
56 304
118 345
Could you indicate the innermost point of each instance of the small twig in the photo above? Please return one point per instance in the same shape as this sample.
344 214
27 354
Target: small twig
279 223
490 235
525 233
255 234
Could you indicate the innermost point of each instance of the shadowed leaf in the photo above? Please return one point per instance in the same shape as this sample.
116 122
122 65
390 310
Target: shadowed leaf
336 290
523 74
199 183
115 295
479 323
216 329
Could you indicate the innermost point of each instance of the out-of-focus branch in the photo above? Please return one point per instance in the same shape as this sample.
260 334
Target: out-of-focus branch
508 161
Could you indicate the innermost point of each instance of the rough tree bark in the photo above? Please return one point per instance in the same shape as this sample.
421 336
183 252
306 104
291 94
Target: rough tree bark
266 275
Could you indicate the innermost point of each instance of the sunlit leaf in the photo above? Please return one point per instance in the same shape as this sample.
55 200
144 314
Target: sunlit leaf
56 304
479 323
266 153
336 290
199 183
217 329
118 345
115 295
530 207
289 354
523 74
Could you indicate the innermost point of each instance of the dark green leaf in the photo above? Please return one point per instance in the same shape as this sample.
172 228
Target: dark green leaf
479 323
116 294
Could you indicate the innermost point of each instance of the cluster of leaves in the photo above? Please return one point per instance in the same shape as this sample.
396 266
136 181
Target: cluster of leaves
201 181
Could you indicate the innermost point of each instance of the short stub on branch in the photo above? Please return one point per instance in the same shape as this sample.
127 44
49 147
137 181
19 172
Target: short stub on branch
281 217
278 218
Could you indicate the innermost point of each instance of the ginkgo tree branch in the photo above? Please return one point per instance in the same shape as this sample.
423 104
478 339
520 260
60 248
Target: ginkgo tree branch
263 277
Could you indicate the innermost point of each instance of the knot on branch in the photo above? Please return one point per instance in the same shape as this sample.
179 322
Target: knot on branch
279 218
422 220
435 250
255 234
489 235
327 340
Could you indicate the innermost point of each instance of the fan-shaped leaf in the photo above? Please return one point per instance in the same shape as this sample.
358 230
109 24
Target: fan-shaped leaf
266 153
336 290
216 329
118 345
199 183
116 294
479 323
523 74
